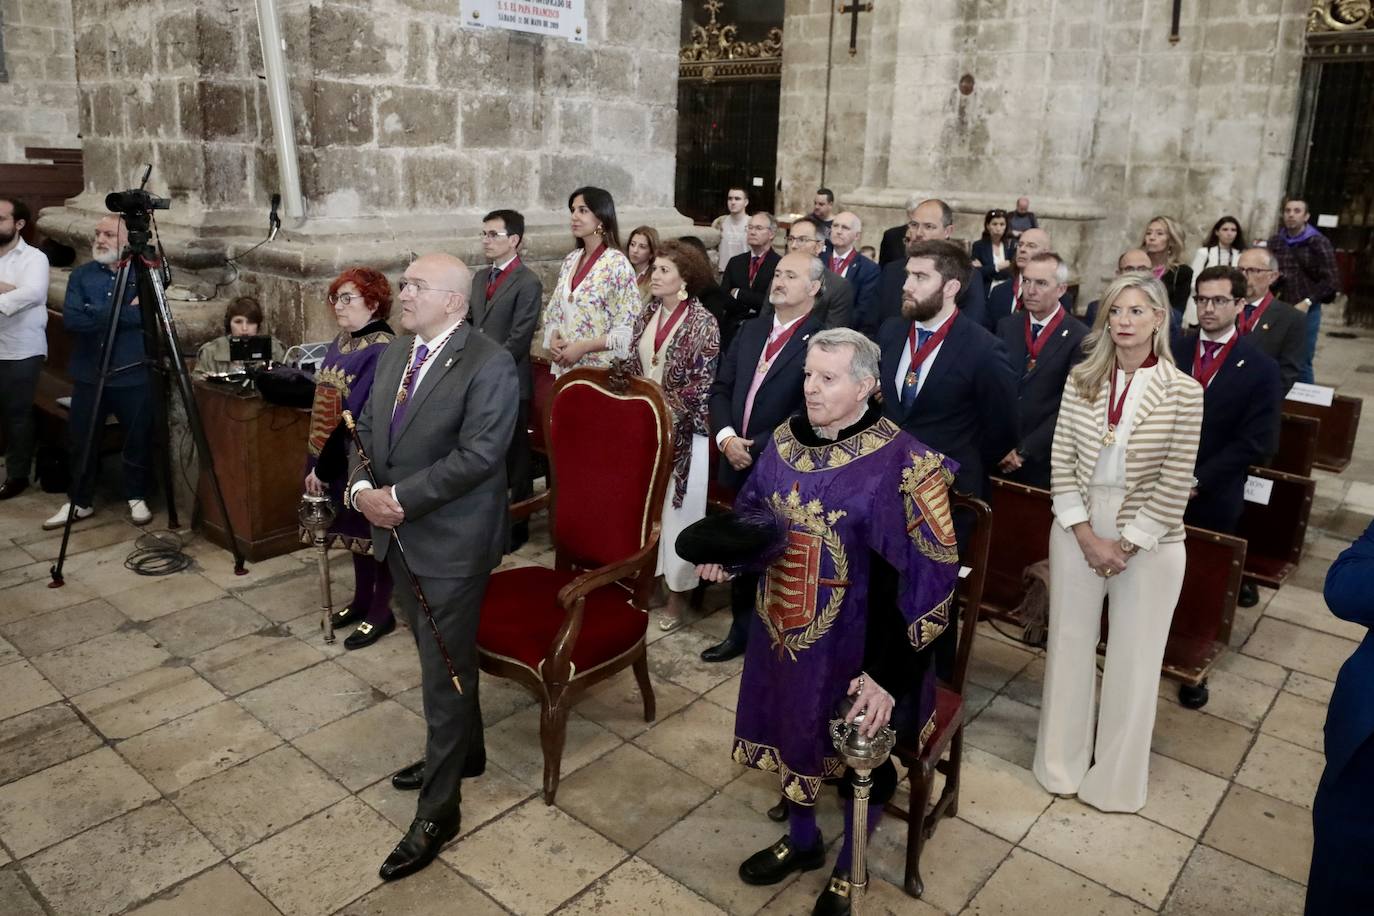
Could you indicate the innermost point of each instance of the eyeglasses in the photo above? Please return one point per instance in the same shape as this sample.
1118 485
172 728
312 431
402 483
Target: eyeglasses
493 234
1136 269
1255 271
407 284
1206 302
344 299
795 241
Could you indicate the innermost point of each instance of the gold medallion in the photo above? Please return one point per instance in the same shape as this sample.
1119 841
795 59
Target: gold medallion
1110 437
401 396
910 379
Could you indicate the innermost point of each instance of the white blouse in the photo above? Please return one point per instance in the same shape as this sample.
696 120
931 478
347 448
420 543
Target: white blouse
1111 461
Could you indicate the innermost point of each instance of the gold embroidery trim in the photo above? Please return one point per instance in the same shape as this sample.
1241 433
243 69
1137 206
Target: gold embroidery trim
811 517
806 458
798 787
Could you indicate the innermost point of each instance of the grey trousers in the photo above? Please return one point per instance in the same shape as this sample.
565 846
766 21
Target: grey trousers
18 383
453 720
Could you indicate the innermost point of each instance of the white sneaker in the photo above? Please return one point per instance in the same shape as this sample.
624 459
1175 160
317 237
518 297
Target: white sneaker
139 513
60 519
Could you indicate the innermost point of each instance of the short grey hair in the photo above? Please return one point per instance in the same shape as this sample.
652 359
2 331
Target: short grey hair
816 270
1061 268
772 220
1272 258
863 364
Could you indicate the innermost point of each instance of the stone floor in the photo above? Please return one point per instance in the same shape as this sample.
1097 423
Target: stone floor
189 745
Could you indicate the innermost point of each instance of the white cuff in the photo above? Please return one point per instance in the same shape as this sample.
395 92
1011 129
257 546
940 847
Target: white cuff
724 434
357 488
1068 516
1139 537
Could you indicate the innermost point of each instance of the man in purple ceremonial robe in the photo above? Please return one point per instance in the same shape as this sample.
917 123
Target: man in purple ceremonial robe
864 581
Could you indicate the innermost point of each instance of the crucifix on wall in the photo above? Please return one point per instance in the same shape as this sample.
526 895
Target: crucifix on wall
854 9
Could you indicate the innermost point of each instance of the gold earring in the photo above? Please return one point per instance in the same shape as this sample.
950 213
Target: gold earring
682 294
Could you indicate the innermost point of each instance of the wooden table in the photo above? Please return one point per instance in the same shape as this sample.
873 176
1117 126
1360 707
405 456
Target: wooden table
259 451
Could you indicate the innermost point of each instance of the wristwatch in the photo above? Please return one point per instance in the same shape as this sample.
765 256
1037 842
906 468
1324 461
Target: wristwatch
1128 547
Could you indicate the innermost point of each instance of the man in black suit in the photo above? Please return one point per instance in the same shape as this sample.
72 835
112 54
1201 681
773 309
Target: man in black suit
835 304
748 276
1242 398
893 245
930 220
1044 343
1132 261
505 304
1278 329
843 259
1006 297
759 385
948 382
437 426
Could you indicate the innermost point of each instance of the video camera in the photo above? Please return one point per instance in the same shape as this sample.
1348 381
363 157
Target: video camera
135 201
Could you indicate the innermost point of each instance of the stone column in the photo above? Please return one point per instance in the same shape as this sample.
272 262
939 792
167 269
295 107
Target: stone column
409 128
38 98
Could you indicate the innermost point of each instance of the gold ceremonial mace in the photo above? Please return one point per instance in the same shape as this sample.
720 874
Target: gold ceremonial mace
400 550
862 754
316 514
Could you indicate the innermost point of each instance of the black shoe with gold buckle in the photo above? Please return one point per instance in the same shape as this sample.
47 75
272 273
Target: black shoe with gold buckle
771 865
368 633
835 899
345 615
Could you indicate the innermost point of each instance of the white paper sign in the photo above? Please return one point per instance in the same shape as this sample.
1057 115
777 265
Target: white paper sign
1258 490
1304 393
758 182
964 571
555 18
1327 221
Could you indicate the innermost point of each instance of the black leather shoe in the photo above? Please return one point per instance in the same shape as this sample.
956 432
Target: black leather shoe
771 865
1249 595
418 847
779 811
367 633
13 487
345 615
834 900
519 536
409 779
723 651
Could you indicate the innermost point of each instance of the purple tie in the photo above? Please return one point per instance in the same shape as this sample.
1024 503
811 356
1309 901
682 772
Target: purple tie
399 413
1209 352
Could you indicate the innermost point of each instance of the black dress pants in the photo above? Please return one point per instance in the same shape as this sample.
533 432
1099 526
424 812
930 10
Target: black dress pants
18 384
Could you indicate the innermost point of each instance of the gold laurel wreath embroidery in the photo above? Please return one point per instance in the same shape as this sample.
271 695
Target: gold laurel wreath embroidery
811 518
911 479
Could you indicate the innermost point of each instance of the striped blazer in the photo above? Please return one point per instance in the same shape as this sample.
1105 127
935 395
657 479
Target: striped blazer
1161 449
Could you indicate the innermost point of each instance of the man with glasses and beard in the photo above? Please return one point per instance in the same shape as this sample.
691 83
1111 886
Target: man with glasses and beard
86 316
23 341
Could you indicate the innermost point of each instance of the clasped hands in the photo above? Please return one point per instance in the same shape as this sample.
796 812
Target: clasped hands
1104 555
380 507
567 353
736 451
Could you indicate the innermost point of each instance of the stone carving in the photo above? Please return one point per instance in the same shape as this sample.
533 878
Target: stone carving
716 52
1340 15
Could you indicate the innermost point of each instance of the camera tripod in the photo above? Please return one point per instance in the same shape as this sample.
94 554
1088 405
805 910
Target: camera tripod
162 355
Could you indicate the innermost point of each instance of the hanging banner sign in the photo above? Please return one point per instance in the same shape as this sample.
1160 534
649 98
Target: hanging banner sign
555 18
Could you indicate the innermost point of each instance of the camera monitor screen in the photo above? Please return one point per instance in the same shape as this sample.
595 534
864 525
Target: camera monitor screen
256 349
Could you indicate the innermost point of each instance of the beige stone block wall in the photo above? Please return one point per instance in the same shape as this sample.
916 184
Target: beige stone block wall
38 104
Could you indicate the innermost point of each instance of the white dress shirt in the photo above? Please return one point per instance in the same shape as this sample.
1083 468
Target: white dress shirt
23 310
778 329
903 364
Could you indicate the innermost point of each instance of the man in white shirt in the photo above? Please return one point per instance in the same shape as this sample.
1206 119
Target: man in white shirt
733 227
23 341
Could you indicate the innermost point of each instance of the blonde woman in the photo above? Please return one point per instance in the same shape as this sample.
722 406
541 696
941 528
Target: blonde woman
1163 242
1122 469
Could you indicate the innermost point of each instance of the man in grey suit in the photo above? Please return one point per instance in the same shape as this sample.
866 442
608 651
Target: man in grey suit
835 305
1277 328
436 427
506 300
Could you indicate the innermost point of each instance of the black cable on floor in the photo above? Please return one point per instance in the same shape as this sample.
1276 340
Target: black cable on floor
158 553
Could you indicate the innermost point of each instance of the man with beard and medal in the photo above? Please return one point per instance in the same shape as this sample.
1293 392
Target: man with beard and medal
839 499
1044 342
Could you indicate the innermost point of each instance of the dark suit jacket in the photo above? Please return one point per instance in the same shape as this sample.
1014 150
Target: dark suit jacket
999 304
1240 427
1349 593
509 318
835 304
893 247
967 406
448 458
983 254
1178 283
1040 390
778 397
971 299
752 298
1282 336
865 277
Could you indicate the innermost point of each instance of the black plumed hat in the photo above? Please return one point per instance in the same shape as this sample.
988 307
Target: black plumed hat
736 540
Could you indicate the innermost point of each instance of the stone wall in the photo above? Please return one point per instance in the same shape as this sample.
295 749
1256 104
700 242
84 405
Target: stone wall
38 104
1084 106
409 128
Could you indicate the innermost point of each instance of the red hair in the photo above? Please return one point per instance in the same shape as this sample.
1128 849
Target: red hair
373 286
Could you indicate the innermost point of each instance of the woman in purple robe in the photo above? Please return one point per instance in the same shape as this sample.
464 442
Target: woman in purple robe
863 510
361 300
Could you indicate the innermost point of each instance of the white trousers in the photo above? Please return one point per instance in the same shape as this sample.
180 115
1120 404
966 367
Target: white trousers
677 573
1112 773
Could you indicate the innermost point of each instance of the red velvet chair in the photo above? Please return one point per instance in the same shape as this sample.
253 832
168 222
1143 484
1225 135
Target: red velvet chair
922 764
558 631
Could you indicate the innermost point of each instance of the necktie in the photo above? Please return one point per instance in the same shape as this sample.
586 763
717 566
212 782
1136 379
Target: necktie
1250 313
1036 329
411 381
755 261
1209 352
909 391
495 273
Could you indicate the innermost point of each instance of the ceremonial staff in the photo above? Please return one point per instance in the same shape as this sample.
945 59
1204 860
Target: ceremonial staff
863 755
365 467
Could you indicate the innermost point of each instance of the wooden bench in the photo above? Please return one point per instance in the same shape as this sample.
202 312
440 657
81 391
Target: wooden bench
1275 532
1340 423
1297 451
1201 625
